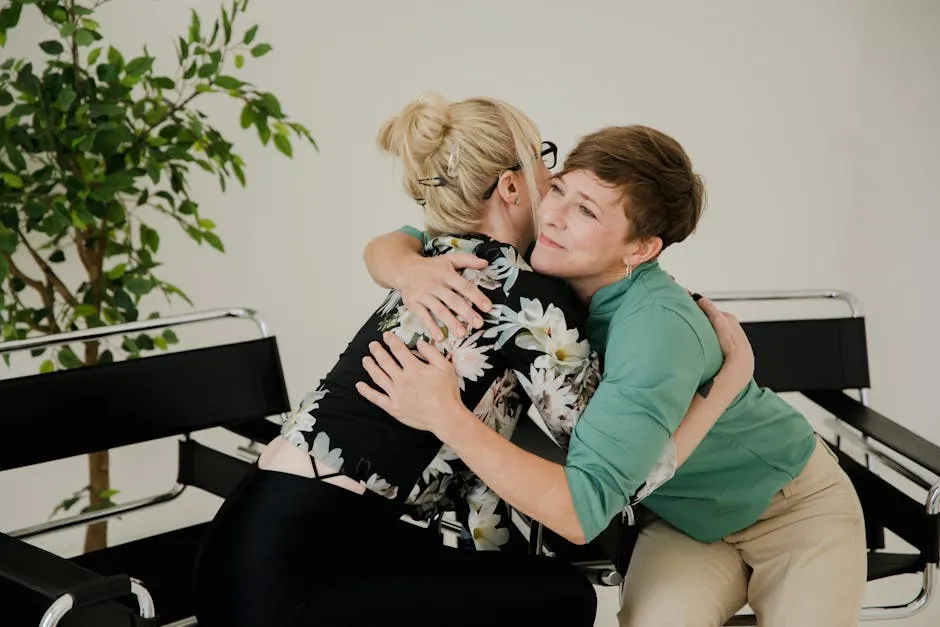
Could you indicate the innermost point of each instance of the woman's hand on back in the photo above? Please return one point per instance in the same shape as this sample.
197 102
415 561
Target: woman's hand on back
434 286
739 355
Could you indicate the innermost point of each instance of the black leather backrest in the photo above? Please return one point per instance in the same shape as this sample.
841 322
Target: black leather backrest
808 355
90 409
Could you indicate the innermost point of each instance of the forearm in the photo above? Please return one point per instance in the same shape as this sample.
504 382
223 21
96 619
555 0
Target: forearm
704 412
387 255
531 484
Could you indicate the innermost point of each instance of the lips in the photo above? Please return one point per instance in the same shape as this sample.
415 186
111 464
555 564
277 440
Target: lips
547 241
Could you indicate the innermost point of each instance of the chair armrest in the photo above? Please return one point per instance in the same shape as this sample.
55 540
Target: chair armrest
879 427
54 577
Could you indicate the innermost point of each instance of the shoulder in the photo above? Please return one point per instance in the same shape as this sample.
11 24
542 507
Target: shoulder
656 332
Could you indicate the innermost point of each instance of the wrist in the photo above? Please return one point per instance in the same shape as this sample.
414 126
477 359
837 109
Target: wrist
405 265
454 425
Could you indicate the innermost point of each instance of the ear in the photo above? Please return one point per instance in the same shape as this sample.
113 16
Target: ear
508 187
641 251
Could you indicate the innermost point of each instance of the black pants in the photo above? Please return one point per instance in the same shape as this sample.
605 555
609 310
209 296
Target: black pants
288 551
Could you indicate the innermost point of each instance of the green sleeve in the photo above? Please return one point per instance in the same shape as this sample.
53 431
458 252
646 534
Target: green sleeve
654 365
415 233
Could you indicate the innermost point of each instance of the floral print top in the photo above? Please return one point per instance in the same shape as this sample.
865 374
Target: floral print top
530 357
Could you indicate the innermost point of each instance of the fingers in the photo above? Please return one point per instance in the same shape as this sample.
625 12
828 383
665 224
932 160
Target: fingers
714 315
384 359
427 320
466 260
399 350
445 316
432 355
379 376
470 292
459 305
373 396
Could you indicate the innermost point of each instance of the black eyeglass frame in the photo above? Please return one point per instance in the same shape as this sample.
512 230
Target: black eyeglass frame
548 148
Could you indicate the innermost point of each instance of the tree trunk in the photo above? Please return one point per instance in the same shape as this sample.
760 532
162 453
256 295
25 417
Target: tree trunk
99 478
96 534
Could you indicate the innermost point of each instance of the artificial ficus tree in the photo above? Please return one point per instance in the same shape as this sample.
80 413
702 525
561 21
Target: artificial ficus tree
94 144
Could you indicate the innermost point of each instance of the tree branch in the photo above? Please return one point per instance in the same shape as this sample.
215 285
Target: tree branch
52 278
15 271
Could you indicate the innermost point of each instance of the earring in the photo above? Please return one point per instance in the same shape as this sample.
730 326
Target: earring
629 271
518 201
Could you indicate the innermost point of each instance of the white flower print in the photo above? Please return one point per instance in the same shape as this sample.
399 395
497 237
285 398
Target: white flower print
470 360
437 467
391 301
499 408
381 487
662 471
483 520
449 243
321 451
294 427
553 399
409 329
312 400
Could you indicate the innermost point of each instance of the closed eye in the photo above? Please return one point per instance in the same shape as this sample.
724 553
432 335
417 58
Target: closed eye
587 212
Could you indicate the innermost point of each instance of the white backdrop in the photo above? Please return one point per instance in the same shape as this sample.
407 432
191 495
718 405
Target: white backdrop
814 125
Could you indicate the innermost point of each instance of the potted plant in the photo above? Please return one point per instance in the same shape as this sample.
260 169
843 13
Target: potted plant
93 145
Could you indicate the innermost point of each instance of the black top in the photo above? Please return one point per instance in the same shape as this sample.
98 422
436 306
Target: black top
531 356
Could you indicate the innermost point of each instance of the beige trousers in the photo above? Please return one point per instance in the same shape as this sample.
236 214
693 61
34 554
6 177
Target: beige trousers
802 564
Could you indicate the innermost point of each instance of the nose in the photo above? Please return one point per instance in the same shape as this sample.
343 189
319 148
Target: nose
551 212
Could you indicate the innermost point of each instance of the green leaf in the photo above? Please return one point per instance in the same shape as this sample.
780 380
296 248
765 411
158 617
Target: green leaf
85 310
67 29
163 82
260 50
65 99
206 223
137 285
93 56
80 10
248 116
138 66
6 98
239 61
4 271
52 47
57 257
213 240
188 207
250 35
84 37
194 233
12 180
115 57
68 359
228 82
107 494
170 336
91 24
208 70
283 144
226 26
122 300
16 157
117 271
160 343
46 367
194 27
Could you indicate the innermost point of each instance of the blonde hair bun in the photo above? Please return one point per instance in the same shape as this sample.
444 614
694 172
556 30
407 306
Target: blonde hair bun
418 131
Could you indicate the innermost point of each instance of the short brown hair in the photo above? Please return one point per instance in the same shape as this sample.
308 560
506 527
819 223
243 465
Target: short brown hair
663 196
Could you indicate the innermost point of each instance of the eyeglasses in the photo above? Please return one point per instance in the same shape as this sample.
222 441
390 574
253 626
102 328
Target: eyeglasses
549 156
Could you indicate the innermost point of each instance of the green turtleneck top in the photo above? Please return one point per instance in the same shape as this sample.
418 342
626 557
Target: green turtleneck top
659 348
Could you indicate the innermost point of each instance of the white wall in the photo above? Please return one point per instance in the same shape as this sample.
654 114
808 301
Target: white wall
813 123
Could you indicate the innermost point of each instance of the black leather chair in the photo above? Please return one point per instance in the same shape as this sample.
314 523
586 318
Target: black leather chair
236 386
